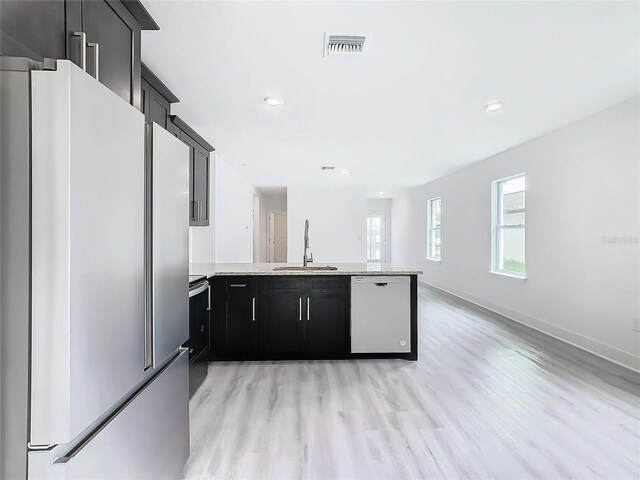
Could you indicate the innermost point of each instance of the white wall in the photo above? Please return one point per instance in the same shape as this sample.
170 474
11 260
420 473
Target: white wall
202 239
583 191
233 215
383 205
338 223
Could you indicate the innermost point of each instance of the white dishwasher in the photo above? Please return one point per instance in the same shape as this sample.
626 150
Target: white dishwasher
380 314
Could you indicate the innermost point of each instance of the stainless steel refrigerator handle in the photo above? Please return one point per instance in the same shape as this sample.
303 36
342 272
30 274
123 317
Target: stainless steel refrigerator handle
96 57
308 303
253 318
83 50
198 210
208 296
300 309
199 289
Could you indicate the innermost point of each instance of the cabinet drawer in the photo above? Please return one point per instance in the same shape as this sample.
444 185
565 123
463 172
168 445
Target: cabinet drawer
327 283
237 283
283 283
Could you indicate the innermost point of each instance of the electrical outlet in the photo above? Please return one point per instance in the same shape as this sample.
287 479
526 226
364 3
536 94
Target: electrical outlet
636 324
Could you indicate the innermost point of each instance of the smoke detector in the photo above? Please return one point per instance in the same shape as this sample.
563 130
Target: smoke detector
339 44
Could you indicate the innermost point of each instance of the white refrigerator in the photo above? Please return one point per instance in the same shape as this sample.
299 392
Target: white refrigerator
95 222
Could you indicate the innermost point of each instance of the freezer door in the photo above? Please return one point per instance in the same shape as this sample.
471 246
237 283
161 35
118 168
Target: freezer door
149 439
87 347
168 170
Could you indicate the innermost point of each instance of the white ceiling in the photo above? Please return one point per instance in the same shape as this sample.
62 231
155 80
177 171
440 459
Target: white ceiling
408 111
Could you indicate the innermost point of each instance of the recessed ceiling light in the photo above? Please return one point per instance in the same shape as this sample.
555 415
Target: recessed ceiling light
381 193
273 101
494 106
344 173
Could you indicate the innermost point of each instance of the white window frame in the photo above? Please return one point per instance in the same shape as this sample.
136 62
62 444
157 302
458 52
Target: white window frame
497 226
383 237
431 228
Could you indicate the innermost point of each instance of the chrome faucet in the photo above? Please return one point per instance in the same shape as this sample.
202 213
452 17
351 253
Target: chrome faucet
305 258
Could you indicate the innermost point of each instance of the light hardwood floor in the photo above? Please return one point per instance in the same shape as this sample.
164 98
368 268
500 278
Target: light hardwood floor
487 399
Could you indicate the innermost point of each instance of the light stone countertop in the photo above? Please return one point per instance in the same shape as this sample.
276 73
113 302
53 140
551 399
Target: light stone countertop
218 269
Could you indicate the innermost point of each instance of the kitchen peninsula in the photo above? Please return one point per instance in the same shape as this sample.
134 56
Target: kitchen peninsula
270 311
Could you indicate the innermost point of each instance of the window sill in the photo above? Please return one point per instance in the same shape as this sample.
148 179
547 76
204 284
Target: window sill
507 274
437 260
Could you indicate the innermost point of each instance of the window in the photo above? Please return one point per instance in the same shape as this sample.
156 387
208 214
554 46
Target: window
508 215
376 237
434 227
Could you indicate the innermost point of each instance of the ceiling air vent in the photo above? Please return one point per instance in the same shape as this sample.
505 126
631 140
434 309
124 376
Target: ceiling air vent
339 44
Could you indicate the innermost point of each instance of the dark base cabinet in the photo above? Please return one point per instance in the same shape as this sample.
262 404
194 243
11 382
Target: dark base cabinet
280 317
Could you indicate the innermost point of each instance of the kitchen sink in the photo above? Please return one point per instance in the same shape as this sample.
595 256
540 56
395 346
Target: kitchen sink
304 269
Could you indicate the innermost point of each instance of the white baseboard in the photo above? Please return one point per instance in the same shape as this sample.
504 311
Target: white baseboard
612 354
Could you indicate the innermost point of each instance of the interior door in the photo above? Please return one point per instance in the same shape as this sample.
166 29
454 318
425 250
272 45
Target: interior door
87 282
168 167
376 238
278 237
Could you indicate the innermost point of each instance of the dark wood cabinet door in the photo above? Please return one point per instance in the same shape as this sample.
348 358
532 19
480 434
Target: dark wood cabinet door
199 182
325 323
201 186
145 97
173 129
280 319
159 109
111 26
26 34
240 316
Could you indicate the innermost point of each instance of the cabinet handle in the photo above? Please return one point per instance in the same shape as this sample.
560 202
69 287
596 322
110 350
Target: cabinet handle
253 319
300 309
308 303
198 210
382 284
237 285
209 296
96 57
83 49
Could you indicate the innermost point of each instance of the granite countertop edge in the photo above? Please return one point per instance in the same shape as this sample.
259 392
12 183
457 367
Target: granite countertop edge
261 269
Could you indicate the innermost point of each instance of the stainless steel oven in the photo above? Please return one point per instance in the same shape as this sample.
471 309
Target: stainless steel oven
199 328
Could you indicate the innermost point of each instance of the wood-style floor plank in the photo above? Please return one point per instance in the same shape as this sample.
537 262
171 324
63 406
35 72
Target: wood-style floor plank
488 398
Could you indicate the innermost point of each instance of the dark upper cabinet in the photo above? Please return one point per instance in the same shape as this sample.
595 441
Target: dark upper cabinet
156 99
103 36
25 33
235 326
199 172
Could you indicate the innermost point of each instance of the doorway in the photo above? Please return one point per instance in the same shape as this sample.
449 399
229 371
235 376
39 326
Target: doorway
376 238
277 237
